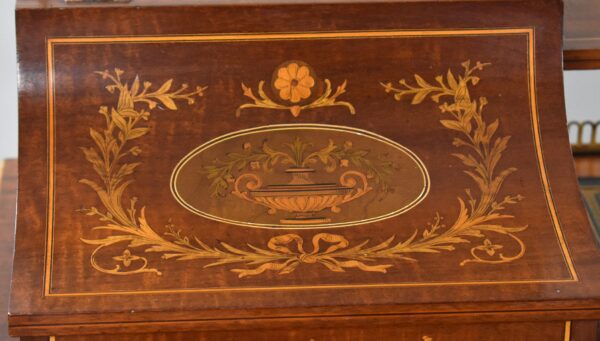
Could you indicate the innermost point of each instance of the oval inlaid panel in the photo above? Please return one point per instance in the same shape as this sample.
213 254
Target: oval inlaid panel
300 176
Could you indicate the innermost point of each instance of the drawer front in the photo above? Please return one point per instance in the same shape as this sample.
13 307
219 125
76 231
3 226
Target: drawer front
548 331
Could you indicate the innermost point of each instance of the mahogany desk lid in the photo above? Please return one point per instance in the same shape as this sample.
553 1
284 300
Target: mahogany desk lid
200 165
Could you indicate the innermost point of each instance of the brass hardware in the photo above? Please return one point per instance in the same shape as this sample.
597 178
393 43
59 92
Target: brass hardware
584 144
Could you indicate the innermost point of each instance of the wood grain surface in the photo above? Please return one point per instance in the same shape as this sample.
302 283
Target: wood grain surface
494 332
99 146
579 331
8 204
581 27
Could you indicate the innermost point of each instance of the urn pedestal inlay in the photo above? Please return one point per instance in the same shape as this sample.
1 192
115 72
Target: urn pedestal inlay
301 196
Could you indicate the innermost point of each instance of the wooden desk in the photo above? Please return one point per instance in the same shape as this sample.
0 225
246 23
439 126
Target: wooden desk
579 330
8 202
326 171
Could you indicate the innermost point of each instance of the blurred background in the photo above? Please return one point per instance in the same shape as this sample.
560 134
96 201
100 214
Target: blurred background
8 81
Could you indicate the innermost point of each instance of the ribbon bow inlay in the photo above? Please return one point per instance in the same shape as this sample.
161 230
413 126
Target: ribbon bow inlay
288 259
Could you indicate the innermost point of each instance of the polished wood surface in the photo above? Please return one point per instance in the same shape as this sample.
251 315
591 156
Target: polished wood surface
579 330
98 150
550 331
584 330
588 59
8 203
581 25
587 166
47 4
582 35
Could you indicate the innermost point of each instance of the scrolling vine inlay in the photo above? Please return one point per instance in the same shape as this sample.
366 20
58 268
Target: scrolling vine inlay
302 195
294 83
480 215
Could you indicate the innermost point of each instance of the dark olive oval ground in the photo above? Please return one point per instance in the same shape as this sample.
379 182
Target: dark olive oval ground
300 176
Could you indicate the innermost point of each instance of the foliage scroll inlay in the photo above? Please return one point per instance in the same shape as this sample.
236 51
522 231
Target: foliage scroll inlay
481 214
294 83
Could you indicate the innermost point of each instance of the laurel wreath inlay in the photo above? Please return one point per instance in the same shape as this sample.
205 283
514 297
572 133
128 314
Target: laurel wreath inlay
480 216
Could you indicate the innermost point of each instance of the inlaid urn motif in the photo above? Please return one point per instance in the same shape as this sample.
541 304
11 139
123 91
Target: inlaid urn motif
301 196
301 175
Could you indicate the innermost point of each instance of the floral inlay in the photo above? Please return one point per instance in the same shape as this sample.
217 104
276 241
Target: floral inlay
294 82
482 214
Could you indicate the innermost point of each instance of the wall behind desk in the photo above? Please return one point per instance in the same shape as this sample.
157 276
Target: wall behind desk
8 81
582 92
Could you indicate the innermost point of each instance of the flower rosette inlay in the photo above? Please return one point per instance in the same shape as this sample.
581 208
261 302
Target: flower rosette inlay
294 84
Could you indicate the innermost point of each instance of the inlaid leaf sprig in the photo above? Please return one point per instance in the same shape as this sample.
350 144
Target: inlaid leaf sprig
480 214
483 152
127 226
124 124
297 154
327 99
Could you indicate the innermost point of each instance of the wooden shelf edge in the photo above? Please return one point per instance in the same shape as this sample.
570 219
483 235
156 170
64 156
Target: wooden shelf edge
581 59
